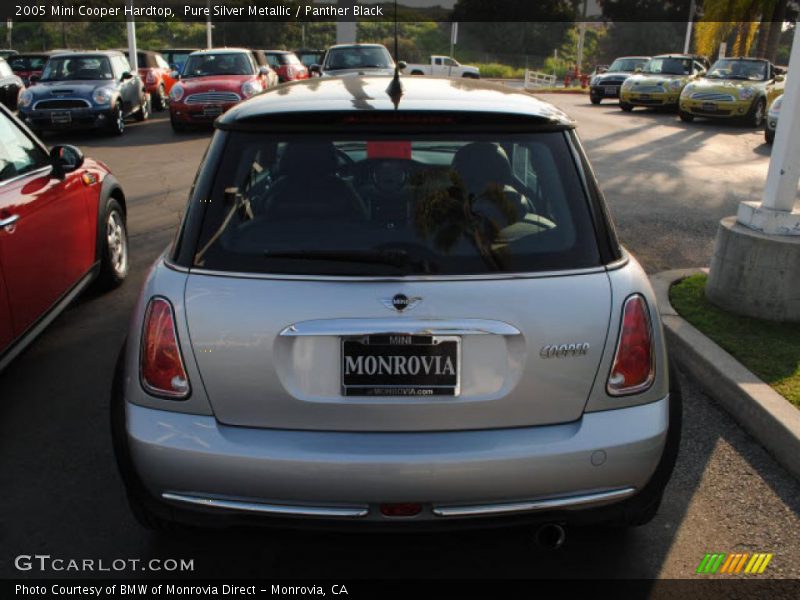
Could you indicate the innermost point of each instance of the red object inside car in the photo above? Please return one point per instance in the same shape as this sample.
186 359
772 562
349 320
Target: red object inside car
389 150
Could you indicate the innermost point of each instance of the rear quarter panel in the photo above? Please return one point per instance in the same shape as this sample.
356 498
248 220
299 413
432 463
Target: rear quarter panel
630 278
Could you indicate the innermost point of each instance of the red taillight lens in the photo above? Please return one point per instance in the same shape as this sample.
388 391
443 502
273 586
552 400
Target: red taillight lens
633 369
162 371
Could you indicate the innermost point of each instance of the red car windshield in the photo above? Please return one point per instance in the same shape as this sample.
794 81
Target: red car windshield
228 63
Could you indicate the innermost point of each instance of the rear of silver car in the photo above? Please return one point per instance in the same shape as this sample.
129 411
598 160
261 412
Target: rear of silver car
321 384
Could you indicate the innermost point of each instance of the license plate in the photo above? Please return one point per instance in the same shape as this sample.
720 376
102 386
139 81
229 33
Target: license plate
61 118
709 106
401 365
212 111
644 96
611 90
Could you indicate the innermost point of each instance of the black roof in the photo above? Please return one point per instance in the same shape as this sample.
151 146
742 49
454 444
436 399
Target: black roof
364 94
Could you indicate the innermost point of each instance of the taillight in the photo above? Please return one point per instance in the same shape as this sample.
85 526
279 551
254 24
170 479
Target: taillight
151 76
633 369
290 73
161 370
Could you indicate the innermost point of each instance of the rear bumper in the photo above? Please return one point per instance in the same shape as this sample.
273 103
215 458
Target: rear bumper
193 462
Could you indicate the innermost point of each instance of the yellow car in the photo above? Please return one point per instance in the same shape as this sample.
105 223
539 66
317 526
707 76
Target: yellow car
734 88
660 81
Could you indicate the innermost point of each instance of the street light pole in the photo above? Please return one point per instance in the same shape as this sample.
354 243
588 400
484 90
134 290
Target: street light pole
581 38
689 23
208 27
133 55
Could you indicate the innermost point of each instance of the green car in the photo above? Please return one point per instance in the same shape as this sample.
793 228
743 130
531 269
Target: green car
659 83
734 88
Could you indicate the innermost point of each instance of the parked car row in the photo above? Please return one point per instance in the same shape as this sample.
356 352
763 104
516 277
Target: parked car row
732 88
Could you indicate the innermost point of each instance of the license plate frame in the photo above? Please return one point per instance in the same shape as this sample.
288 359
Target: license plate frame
709 107
420 384
610 90
212 110
61 118
644 97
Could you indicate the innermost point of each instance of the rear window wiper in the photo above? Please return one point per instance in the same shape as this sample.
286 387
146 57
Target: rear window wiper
393 258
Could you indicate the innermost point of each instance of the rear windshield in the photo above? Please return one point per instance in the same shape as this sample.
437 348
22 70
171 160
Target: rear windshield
27 63
278 60
383 206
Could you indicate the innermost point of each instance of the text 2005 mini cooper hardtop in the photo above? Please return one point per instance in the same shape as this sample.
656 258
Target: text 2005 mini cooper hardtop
395 309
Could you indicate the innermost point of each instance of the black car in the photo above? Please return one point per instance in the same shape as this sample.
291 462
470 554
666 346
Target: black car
10 85
310 56
607 84
85 90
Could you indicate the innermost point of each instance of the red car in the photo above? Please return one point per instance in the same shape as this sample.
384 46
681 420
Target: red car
287 65
155 73
29 65
62 226
211 82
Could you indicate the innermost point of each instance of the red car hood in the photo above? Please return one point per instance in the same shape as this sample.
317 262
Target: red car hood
218 83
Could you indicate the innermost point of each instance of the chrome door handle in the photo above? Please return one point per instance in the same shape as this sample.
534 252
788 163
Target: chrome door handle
8 221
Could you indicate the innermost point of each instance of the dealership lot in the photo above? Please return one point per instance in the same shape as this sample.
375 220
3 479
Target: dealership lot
667 182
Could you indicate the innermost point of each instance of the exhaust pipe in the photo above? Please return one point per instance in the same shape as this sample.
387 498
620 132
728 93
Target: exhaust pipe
551 536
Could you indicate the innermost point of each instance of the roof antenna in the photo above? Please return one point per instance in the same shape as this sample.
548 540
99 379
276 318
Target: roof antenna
395 89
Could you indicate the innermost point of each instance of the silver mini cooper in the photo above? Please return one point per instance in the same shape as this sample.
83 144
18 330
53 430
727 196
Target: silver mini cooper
395 308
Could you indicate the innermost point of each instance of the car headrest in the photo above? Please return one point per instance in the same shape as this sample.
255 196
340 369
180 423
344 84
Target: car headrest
480 164
308 157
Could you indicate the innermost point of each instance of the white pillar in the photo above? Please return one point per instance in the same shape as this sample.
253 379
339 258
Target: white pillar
784 166
776 213
133 55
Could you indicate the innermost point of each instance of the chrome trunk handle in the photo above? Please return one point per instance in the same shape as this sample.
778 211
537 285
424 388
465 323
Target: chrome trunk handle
355 327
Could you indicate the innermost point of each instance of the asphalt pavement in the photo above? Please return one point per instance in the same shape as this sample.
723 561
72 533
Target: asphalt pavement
667 183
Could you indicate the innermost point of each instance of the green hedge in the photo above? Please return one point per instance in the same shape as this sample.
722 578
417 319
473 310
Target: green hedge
499 71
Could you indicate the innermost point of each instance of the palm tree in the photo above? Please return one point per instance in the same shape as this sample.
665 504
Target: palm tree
738 22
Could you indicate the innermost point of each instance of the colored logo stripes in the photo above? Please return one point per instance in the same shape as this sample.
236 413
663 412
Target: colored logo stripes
734 563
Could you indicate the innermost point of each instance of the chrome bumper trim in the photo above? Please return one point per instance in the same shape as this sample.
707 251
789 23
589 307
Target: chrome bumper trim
348 327
495 509
272 509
